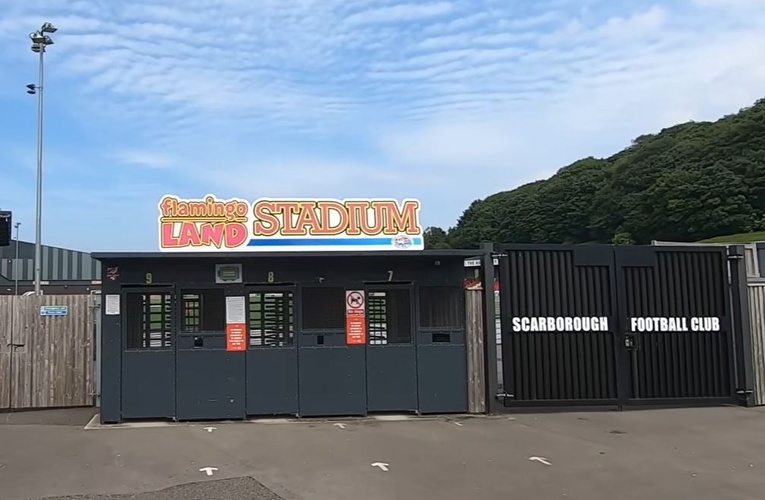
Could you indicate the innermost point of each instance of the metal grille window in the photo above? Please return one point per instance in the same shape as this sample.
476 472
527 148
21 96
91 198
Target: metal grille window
441 307
148 320
271 319
203 310
323 308
389 316
191 313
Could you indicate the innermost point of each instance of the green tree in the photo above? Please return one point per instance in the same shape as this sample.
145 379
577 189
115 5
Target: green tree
688 182
435 238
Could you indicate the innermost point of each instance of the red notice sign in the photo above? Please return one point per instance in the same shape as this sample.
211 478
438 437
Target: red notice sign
355 318
236 324
236 337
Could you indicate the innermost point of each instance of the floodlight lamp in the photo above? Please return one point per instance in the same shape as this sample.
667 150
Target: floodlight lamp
48 28
37 37
48 40
37 47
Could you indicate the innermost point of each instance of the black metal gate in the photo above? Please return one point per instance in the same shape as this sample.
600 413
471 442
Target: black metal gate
391 352
559 325
676 315
272 369
210 380
588 325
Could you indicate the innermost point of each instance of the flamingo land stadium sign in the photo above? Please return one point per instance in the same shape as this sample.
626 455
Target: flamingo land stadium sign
235 225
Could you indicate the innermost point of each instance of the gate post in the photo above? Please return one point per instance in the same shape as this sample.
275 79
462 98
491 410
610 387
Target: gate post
490 329
742 340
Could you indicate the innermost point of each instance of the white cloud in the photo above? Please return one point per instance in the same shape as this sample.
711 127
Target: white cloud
447 101
730 4
450 146
401 12
147 159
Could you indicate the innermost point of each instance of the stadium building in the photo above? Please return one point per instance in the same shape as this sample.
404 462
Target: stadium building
63 271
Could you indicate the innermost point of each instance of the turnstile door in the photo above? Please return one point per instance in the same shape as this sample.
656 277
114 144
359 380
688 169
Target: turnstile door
272 371
441 350
148 355
332 373
210 381
391 351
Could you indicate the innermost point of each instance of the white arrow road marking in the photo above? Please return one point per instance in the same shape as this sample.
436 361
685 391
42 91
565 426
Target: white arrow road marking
382 465
342 426
457 423
208 470
210 429
540 460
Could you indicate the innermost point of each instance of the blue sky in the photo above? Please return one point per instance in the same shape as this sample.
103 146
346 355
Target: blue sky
447 101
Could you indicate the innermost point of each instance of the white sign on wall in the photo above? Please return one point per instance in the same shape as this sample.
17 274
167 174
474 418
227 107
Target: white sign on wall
693 324
112 305
560 324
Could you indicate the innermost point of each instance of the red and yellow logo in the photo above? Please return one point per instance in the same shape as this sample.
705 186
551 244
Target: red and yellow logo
215 224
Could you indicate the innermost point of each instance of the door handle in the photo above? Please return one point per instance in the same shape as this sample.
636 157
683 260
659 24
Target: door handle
630 341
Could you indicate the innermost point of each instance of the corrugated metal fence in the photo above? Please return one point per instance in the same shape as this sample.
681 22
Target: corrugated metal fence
58 264
757 324
46 361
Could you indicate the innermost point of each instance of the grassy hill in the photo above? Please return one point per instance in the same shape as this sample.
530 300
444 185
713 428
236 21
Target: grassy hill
737 238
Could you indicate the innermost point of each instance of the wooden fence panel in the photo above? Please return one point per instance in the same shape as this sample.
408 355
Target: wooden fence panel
475 347
24 365
51 365
757 327
6 320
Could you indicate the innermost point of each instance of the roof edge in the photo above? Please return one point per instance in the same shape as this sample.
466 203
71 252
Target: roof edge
101 256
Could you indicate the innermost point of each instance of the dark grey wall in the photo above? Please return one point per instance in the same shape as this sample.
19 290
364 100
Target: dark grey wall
297 270
346 271
58 264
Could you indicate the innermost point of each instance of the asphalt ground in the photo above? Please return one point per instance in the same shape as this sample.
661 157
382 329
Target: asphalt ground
708 453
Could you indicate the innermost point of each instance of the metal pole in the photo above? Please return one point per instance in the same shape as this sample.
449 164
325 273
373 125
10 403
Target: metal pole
743 360
16 263
38 217
490 330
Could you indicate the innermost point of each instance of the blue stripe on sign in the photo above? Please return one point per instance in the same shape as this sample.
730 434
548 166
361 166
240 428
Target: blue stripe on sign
325 242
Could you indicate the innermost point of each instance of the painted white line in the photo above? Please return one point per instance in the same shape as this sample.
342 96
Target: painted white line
382 465
93 423
541 460
210 429
392 418
273 421
457 423
96 425
208 470
342 426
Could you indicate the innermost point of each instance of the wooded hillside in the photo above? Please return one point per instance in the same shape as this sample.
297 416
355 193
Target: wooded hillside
689 182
